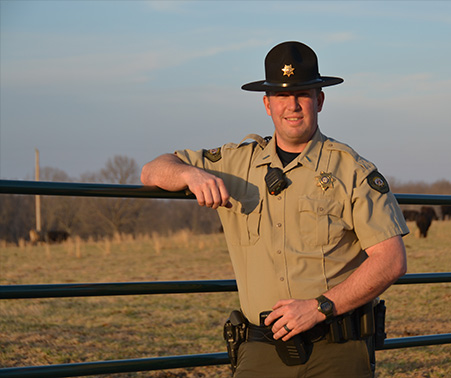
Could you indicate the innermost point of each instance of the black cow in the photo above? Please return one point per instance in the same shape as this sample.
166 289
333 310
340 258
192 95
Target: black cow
446 211
56 236
424 220
429 210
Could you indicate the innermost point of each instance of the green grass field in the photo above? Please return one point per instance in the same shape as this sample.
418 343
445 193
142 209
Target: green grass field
54 331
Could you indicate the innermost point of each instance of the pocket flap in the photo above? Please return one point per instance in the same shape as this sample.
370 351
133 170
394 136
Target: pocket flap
321 206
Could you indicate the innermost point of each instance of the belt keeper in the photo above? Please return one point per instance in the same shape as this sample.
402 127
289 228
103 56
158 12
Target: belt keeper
335 334
343 328
367 324
349 331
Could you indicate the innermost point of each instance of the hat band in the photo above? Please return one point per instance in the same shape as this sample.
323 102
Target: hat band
286 85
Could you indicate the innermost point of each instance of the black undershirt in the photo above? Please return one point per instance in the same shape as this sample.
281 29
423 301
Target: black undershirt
286 157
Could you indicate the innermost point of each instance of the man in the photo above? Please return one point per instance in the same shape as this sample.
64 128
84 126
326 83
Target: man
313 231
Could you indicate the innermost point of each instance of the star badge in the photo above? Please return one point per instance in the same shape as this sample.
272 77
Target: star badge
288 70
325 180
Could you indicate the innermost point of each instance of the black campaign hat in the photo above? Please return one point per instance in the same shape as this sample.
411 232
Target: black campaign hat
291 66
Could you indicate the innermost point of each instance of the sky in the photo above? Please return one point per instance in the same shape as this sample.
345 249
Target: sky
83 81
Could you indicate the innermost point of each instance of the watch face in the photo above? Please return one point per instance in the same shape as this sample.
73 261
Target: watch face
326 306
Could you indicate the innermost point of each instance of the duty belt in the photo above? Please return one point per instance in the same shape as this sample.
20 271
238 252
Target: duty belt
359 324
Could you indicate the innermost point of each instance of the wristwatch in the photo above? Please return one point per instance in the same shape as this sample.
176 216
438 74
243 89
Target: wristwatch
325 306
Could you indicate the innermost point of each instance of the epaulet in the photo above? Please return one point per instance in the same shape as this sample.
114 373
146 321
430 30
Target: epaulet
338 146
262 142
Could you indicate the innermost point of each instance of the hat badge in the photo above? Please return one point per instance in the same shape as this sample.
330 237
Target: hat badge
288 70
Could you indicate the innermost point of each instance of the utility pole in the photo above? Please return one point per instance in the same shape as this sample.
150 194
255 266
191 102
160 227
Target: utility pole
37 197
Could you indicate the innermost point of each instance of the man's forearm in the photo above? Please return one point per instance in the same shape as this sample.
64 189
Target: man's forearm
165 172
386 262
168 172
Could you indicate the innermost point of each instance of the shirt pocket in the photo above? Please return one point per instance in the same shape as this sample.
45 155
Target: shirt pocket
321 221
245 225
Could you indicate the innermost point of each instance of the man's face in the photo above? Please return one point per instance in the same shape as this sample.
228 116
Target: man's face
295 116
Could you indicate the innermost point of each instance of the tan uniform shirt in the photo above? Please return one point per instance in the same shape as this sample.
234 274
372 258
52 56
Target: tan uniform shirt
308 238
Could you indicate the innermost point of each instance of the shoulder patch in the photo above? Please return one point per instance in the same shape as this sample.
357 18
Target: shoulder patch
213 154
378 182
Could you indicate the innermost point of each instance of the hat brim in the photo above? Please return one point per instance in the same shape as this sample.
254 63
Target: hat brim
264 86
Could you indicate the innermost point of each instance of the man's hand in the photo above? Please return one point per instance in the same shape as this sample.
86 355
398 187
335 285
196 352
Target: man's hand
296 315
209 190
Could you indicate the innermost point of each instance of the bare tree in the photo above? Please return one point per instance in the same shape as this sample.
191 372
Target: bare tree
59 212
16 217
54 174
120 170
108 216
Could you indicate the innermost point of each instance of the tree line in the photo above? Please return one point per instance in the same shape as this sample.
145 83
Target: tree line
96 217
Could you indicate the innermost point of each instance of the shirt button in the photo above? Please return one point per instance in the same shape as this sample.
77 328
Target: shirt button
279 198
321 209
279 225
282 279
279 252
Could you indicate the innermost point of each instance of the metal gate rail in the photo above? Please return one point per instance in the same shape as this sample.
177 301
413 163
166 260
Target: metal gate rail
140 191
161 287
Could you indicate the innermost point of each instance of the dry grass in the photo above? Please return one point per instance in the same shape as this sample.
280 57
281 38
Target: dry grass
52 331
420 309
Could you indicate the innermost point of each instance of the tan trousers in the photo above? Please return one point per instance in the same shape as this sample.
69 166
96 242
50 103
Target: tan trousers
346 360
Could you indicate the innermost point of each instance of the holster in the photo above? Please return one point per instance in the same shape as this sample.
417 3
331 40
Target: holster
378 339
295 351
379 317
235 332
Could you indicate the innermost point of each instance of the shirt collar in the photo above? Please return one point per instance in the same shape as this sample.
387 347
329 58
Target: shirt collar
308 158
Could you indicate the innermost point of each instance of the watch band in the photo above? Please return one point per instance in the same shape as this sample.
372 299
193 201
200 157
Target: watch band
325 306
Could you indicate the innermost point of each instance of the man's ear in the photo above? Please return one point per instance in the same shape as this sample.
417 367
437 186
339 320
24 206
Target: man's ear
320 99
267 105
